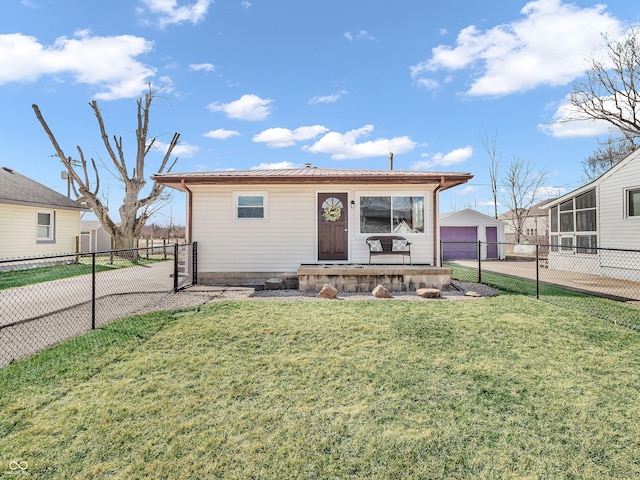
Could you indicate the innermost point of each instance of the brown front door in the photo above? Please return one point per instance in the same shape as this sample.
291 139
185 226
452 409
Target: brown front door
333 232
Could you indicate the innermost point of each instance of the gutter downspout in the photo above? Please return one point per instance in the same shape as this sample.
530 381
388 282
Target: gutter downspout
183 183
436 234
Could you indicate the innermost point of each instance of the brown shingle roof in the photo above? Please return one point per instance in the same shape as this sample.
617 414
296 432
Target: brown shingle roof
312 176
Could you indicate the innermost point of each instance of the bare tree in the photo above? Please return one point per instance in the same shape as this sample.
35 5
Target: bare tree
134 211
609 153
609 92
490 146
521 184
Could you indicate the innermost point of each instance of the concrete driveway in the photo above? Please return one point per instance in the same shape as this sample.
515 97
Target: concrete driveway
37 316
595 284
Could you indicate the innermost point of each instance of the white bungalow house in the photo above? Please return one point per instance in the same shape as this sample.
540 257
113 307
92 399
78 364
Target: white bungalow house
603 214
461 231
36 220
259 224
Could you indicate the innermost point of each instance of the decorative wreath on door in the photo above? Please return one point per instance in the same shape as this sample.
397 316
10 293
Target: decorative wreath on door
331 209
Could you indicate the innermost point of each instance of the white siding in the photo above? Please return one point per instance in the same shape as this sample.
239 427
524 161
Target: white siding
287 238
615 230
18 232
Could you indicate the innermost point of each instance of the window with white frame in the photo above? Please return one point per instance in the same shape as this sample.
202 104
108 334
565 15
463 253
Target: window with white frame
400 214
633 202
250 206
45 226
575 220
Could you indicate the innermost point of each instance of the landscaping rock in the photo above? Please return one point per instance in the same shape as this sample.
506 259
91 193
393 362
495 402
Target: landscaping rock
274 284
429 293
472 294
328 292
381 292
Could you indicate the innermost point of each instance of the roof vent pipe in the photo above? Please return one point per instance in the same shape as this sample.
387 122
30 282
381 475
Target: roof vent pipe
307 165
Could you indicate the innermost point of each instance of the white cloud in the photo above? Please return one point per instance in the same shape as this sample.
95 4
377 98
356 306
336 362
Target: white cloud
107 63
428 83
544 193
182 150
246 5
579 125
468 190
328 98
247 107
342 146
207 67
454 157
359 35
167 12
546 47
221 134
283 137
275 166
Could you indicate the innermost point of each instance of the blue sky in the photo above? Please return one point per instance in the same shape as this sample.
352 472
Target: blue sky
281 83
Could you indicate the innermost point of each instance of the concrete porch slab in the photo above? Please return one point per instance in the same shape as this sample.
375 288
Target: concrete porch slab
364 277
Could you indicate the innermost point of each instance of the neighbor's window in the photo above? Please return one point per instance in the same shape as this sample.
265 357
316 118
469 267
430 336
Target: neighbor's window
586 243
586 212
44 228
554 243
567 243
250 206
566 216
392 214
554 219
633 202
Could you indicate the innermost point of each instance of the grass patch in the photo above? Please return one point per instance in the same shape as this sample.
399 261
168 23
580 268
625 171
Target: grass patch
30 276
506 387
605 308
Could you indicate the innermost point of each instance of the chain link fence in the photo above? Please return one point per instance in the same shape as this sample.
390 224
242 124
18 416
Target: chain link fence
603 282
47 300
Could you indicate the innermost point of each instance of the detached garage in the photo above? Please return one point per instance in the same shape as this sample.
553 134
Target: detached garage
461 231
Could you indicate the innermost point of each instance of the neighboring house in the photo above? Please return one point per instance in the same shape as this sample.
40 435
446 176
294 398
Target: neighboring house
604 213
535 228
35 219
93 237
257 224
461 231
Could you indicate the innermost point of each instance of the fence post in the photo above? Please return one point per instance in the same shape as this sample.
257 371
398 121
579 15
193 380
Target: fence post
537 271
175 268
93 291
194 263
479 261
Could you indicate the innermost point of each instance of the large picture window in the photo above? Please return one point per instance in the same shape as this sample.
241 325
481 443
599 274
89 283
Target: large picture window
250 206
392 214
45 226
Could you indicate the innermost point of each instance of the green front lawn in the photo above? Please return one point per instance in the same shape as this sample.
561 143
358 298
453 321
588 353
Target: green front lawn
616 311
507 387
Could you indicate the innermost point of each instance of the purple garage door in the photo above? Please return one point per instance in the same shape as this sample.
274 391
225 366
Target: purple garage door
459 251
492 239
